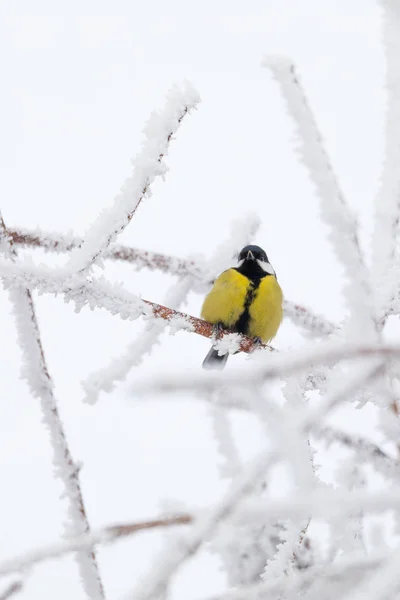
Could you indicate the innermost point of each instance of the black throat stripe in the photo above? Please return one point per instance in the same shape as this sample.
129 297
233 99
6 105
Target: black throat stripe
242 324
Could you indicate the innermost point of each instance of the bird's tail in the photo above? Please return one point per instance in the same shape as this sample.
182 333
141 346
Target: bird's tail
213 360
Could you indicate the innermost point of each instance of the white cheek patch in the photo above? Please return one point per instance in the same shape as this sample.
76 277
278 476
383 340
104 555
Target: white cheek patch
240 262
266 266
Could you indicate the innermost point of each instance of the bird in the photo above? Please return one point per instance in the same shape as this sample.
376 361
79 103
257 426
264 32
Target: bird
245 299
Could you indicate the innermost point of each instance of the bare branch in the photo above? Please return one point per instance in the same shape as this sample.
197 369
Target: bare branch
87 540
38 378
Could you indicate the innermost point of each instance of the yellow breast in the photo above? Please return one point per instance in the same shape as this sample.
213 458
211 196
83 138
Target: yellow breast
225 302
266 310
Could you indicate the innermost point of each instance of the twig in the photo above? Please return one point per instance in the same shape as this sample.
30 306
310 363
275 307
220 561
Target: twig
171 559
86 541
304 317
38 378
61 242
335 211
169 562
12 589
97 293
119 367
387 202
320 575
57 242
278 365
366 450
148 165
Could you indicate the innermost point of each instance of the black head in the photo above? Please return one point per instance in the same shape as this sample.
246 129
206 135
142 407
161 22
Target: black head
253 253
253 261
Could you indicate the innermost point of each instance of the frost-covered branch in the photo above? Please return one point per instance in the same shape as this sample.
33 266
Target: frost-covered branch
147 165
333 579
119 367
11 590
278 365
387 203
304 317
243 485
154 261
335 210
169 561
114 298
366 451
86 541
37 376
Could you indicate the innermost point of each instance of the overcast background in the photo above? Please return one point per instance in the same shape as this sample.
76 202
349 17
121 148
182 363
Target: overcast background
79 79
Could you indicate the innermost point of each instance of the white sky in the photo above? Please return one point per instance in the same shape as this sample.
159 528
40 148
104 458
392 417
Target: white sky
78 81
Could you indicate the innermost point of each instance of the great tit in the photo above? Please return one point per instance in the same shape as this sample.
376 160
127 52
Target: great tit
245 299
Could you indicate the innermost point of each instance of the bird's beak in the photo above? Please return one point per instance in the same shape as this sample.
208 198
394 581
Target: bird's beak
250 255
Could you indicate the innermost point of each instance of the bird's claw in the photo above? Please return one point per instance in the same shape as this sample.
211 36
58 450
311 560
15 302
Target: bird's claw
217 329
257 342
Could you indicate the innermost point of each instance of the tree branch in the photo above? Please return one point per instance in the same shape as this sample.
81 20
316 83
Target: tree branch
335 210
38 378
147 165
57 242
87 540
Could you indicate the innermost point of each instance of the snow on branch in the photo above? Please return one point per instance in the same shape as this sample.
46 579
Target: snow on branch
118 369
147 165
304 317
335 210
282 364
154 261
97 293
365 450
174 556
86 541
243 486
11 590
333 579
37 376
104 379
387 203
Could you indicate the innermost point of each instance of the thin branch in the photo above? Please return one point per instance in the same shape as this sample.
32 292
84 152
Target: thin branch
154 261
366 450
117 370
242 486
86 541
38 378
57 242
11 590
335 210
278 365
148 165
169 561
387 202
322 576
304 317
97 293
